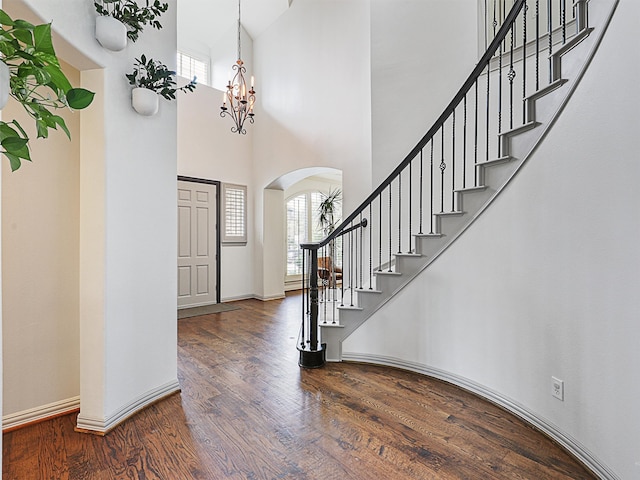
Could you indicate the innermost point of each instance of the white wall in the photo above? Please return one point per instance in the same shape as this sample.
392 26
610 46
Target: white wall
40 267
313 66
127 225
421 53
546 281
208 149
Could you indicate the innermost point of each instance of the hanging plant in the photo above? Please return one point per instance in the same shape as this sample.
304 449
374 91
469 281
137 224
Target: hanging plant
37 82
154 76
131 15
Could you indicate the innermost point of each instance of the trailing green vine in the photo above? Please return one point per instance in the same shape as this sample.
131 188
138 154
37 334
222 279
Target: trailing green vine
37 82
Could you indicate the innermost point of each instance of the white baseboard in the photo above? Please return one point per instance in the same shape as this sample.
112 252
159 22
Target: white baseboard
277 296
236 298
569 443
62 407
103 425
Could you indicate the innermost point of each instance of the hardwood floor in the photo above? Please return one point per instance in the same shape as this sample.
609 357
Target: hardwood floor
247 411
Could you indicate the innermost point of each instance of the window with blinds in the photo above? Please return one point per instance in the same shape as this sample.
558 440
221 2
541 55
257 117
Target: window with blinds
189 67
303 225
234 213
297 231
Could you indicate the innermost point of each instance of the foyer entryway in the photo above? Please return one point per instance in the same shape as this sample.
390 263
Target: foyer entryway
197 243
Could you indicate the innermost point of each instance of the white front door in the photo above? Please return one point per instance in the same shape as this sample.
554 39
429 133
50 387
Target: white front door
196 244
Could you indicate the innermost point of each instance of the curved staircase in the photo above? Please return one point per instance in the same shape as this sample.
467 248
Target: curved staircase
454 172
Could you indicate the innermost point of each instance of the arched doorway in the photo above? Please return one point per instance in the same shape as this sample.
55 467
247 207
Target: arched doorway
280 263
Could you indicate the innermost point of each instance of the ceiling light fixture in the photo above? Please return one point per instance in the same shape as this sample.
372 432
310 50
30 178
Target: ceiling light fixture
240 100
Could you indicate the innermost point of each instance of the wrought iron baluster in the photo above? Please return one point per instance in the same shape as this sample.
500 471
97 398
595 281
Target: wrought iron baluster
563 20
475 137
432 190
486 24
537 45
499 144
343 279
453 161
421 176
503 44
525 8
354 234
400 212
410 202
488 111
511 75
550 32
351 261
380 236
361 249
390 225
324 284
495 19
371 246
443 167
355 261
464 144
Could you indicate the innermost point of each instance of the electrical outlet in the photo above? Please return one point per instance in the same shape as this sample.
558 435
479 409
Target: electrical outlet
557 388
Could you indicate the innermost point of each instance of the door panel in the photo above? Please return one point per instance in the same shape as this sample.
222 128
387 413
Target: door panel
197 254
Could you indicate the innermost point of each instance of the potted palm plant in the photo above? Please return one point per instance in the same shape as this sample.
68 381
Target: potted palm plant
151 78
328 212
119 19
32 76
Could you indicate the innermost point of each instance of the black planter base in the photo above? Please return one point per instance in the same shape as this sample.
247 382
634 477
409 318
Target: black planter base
313 358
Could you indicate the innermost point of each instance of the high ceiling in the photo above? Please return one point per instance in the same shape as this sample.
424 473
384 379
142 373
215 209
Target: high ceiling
214 16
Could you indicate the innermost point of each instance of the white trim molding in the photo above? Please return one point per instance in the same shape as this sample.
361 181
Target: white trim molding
570 444
102 426
55 409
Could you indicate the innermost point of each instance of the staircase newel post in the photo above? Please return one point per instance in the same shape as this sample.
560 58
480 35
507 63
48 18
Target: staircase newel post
313 296
313 357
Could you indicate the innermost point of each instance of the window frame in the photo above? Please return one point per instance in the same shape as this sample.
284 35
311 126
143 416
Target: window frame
311 218
225 237
198 58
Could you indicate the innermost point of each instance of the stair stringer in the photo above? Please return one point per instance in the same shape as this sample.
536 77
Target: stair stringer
543 108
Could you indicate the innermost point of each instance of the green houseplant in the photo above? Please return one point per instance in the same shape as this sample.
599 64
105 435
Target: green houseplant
328 214
151 78
132 16
328 210
37 82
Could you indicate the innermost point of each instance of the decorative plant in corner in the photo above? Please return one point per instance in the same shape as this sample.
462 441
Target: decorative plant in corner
37 82
151 78
328 219
132 16
328 209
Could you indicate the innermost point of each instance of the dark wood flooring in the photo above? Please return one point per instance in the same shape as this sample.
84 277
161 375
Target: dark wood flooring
247 411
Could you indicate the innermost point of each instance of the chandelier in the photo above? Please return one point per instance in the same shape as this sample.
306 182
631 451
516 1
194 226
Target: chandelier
238 97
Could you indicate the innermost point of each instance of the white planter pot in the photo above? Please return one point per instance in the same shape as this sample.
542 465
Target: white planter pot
111 33
4 84
144 101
